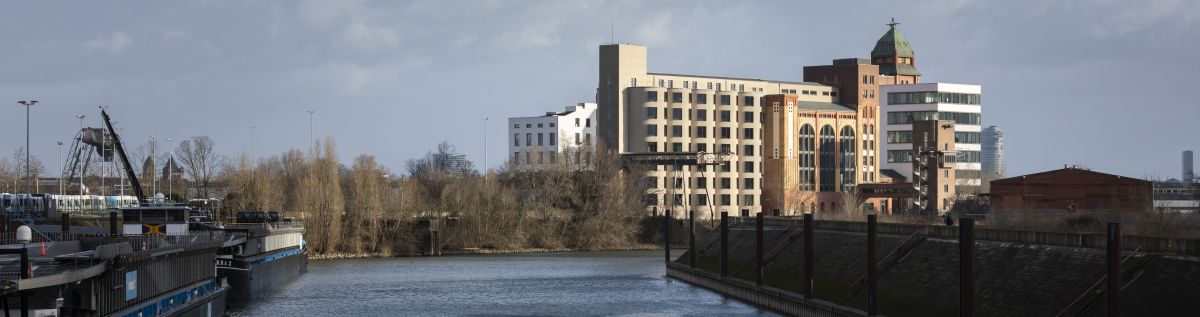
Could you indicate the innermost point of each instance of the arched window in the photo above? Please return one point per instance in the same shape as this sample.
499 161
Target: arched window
808 166
828 169
846 141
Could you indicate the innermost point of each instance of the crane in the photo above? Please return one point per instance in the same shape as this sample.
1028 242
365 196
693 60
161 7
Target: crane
133 180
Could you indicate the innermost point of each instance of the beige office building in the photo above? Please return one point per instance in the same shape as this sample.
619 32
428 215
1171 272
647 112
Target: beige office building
641 111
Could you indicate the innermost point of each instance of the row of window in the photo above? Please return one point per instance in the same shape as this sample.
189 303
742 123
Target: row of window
700 114
700 132
901 98
702 182
550 157
530 125
906 156
700 200
670 83
700 99
908 117
586 138
900 137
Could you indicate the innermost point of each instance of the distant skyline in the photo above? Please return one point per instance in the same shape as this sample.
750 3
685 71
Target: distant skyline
1104 84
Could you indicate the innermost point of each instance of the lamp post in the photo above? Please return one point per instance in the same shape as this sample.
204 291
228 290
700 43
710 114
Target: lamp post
310 124
60 167
170 164
103 154
251 143
28 171
80 117
485 164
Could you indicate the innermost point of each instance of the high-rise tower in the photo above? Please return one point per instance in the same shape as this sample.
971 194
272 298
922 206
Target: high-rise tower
992 156
1188 175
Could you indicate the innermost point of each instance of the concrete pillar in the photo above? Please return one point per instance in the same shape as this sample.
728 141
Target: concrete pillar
1113 257
966 266
808 256
758 249
872 279
724 244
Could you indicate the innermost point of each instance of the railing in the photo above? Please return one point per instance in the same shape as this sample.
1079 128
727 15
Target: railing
267 225
1064 239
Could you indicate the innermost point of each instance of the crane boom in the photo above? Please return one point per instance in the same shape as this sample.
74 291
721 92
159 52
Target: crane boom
133 180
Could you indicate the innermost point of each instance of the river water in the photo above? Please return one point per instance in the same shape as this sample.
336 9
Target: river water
627 283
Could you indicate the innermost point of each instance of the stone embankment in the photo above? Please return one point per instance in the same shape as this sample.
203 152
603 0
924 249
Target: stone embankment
473 251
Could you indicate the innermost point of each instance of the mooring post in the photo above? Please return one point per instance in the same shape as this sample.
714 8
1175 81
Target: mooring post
966 266
1113 257
758 249
667 235
66 226
691 239
724 244
871 278
112 223
25 273
808 256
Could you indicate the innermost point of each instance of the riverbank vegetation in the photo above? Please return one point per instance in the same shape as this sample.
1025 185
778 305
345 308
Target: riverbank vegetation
581 200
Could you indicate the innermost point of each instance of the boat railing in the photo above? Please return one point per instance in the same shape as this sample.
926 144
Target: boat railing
10 238
266 225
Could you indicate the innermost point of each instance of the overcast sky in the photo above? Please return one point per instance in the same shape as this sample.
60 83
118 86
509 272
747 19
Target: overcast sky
1108 84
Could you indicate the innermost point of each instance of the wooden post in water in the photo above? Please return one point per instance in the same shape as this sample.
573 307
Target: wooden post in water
758 249
808 256
691 239
667 235
724 244
1113 257
871 278
966 267
112 223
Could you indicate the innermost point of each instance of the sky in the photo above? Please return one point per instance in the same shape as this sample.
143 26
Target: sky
1107 84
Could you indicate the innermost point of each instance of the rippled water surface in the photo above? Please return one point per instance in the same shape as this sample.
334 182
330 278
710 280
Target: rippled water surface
548 284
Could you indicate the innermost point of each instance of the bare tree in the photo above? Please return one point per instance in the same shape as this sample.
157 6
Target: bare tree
201 163
18 165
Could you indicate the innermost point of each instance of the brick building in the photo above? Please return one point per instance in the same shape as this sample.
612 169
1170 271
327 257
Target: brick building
1071 189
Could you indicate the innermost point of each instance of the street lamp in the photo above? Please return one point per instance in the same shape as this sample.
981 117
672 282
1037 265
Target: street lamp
80 117
251 143
103 153
28 171
170 163
60 167
485 165
310 123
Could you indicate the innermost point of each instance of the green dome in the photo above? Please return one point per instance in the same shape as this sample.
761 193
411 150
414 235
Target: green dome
892 44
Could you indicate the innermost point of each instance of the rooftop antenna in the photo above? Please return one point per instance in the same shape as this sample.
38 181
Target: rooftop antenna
893 24
612 33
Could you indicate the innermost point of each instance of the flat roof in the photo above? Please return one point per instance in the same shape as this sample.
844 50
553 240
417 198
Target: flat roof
823 106
747 79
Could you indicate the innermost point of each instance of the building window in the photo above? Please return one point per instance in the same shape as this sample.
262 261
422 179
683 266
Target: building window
540 139
726 183
516 126
748 117
671 83
539 125
677 97
676 114
894 137
677 147
701 115
966 137
701 147
516 157
552 139
826 150
651 96
652 147
587 123
725 100
710 86
529 139
899 156
849 170
577 138
701 200
748 133
702 99
919 97
651 130
516 140
807 158
718 86
748 150
552 124
662 83
748 167
725 133
725 201
577 122
725 116
748 200
677 131
748 101
701 182
651 113
701 132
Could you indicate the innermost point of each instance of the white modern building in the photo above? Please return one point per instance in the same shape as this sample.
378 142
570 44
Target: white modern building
538 142
903 104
